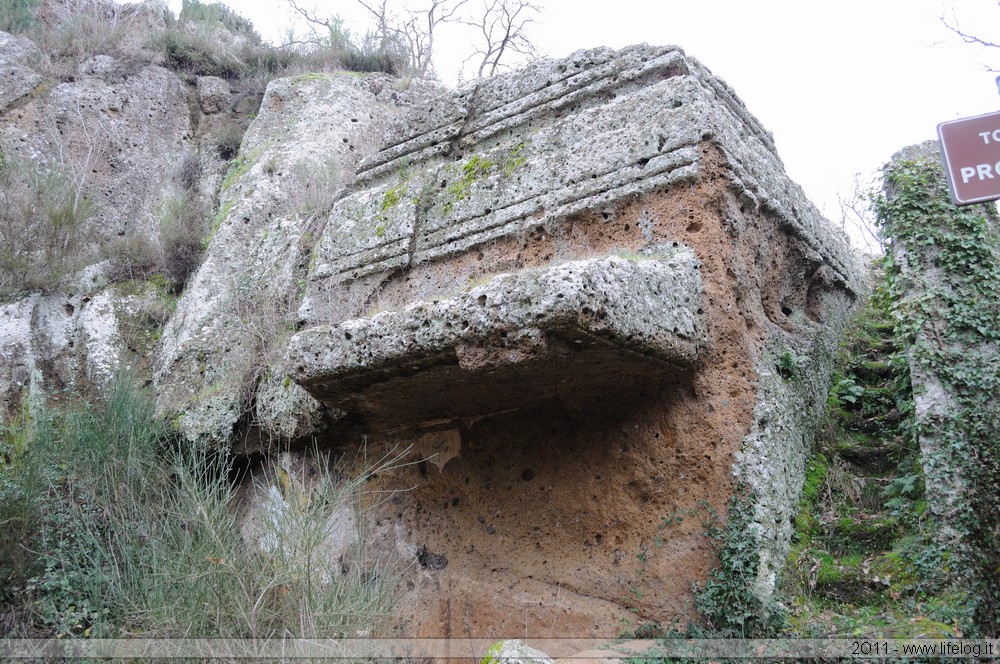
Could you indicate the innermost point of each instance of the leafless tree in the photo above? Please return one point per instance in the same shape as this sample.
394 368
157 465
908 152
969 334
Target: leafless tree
328 28
386 33
857 216
410 37
503 25
417 30
411 34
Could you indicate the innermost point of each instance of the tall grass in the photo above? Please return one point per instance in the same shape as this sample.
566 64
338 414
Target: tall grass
136 537
17 15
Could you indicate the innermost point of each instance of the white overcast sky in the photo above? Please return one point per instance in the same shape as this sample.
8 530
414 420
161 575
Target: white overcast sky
842 84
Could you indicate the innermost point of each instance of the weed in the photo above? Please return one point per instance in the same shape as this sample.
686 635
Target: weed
789 364
727 601
229 140
515 159
44 230
393 196
477 168
131 256
17 16
314 186
220 217
237 169
138 536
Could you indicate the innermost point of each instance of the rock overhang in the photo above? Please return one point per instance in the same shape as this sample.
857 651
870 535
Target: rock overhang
598 163
575 330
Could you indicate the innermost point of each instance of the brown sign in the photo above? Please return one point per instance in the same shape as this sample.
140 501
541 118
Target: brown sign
970 149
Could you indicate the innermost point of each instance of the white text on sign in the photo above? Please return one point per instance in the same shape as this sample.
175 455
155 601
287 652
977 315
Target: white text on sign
980 172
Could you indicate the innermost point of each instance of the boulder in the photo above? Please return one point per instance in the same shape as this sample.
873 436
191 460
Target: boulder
17 78
213 94
588 293
75 341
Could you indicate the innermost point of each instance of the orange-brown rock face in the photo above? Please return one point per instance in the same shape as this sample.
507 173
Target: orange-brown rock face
589 298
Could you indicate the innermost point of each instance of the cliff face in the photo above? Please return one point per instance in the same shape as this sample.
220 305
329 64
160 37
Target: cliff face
217 369
590 294
100 152
944 278
585 293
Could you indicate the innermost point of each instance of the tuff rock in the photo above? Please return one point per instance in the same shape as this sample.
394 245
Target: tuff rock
216 372
585 296
115 134
586 292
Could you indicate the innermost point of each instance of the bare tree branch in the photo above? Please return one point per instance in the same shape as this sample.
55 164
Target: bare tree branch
385 30
413 36
968 38
328 25
857 212
422 38
503 26
416 32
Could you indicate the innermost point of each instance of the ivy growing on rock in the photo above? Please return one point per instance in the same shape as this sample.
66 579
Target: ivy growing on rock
944 277
728 601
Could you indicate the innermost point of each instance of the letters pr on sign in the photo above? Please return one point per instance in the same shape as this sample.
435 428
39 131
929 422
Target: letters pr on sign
970 149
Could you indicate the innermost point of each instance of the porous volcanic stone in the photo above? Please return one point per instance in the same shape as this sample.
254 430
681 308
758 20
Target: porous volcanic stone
572 479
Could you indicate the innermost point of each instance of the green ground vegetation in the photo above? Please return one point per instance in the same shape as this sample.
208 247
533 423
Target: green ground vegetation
865 561
116 530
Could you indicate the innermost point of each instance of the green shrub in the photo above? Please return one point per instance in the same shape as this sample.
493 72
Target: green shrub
193 45
131 257
74 31
198 52
181 233
336 48
137 536
44 234
16 16
21 485
216 14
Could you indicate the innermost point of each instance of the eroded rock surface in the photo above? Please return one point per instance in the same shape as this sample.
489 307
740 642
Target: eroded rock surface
118 133
75 342
585 296
107 140
216 374
573 456
17 78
